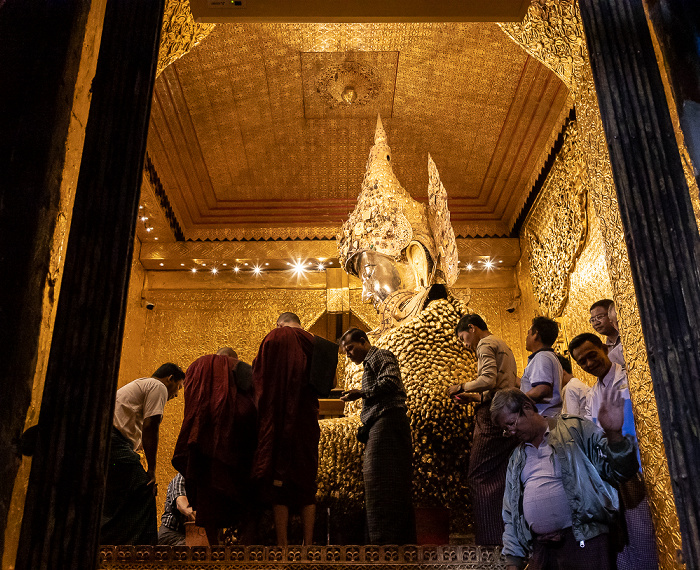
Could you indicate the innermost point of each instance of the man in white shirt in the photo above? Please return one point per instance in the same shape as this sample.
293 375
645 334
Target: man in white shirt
129 514
541 379
592 355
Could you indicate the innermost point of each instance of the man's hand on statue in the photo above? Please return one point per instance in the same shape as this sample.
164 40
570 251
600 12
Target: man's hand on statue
611 415
468 397
453 390
351 395
192 515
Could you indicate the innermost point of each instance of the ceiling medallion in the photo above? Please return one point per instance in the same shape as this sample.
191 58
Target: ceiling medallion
348 83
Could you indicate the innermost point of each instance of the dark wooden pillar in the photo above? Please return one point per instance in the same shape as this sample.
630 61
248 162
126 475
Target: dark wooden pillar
660 232
40 59
60 527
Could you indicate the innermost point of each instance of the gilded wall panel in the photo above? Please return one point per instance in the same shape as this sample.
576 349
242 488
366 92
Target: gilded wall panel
364 311
553 33
555 230
134 324
179 33
491 304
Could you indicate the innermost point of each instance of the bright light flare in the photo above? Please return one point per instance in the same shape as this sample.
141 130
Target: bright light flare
299 267
257 270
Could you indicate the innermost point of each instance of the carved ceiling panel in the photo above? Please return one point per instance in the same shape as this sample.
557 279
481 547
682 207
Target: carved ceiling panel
252 137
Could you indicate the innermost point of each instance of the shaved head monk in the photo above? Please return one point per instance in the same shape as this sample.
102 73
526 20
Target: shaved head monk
286 459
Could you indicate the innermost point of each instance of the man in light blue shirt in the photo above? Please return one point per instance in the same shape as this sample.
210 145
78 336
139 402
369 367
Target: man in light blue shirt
542 377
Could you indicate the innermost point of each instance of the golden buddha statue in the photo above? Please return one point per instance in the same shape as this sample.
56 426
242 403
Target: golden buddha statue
406 256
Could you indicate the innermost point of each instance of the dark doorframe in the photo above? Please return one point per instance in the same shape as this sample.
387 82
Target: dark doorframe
61 523
660 231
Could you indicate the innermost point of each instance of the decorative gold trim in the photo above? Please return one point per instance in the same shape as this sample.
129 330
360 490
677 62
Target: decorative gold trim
240 557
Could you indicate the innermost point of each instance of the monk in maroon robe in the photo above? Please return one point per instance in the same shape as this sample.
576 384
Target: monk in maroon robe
214 452
286 459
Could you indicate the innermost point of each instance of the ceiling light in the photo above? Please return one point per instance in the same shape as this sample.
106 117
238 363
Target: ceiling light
223 264
194 270
236 269
204 264
214 270
299 267
257 270
182 265
149 229
321 267
161 265
144 218
469 267
488 264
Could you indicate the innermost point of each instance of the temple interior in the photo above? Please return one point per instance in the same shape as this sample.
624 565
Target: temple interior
257 147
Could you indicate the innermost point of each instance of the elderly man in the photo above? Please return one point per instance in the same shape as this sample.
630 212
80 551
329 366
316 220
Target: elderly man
496 370
129 515
592 355
214 451
560 498
286 458
387 432
542 377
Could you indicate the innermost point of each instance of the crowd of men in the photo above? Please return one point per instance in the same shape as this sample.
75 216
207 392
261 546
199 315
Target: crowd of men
554 466
553 470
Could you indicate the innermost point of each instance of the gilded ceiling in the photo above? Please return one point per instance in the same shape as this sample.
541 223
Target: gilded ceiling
252 135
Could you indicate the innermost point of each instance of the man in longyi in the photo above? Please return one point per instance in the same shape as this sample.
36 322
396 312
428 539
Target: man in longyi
387 432
286 458
214 451
491 449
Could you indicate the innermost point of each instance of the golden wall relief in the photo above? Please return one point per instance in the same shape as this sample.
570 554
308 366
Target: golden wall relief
556 229
180 33
553 33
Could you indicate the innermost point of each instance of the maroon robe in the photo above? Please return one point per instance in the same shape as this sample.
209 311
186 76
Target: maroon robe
286 459
214 451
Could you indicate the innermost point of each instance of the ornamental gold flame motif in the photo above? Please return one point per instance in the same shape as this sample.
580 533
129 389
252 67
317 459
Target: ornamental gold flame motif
387 219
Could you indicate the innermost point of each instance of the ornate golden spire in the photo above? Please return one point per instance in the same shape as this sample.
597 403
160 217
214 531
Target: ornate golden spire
386 218
443 234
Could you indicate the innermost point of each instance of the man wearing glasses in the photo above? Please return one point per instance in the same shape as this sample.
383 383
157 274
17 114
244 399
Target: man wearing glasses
603 324
560 499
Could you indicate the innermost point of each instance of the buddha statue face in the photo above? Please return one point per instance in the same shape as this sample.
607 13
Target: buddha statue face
380 276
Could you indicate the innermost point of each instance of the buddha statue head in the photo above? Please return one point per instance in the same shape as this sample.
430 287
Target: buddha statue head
392 242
